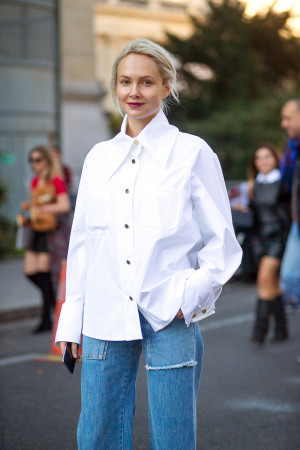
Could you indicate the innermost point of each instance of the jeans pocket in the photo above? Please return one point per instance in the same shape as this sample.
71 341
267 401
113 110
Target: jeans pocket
172 347
93 348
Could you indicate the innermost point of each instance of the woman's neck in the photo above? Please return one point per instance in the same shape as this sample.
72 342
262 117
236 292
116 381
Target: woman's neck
42 177
135 126
266 174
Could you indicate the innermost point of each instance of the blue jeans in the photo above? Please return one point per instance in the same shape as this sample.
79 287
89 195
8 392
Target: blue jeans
290 267
109 369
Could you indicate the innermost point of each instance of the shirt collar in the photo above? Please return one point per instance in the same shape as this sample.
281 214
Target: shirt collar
157 138
270 177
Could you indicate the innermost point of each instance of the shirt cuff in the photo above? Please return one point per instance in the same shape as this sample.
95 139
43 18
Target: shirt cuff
70 323
199 295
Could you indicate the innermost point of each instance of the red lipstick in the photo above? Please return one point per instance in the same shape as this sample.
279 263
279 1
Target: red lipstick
135 104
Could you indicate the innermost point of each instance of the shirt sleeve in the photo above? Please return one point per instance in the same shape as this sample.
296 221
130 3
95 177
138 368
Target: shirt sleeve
71 316
33 183
60 186
220 255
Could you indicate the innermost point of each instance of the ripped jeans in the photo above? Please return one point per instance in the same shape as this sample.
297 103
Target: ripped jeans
173 358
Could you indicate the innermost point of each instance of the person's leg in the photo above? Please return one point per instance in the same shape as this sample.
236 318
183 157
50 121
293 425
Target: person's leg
37 259
108 377
173 362
272 290
268 278
290 267
268 290
37 270
261 325
30 263
44 276
44 282
281 325
34 278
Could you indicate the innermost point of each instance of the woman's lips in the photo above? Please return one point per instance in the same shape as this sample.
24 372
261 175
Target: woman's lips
135 105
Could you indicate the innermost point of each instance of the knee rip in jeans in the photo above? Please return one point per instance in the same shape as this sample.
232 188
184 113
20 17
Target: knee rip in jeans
174 366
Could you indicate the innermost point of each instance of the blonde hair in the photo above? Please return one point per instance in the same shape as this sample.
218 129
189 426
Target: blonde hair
57 164
165 64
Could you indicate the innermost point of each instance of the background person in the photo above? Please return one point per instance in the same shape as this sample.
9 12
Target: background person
290 169
151 202
46 249
267 239
61 169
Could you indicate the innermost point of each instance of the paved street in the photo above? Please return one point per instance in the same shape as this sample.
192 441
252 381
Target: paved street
249 396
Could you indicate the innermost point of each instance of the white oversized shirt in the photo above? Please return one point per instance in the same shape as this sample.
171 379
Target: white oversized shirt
148 210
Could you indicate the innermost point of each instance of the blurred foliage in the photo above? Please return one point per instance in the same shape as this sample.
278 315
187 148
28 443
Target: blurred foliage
7 231
115 122
2 193
235 132
235 73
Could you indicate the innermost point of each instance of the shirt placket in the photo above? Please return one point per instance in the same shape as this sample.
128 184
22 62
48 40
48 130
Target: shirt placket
128 178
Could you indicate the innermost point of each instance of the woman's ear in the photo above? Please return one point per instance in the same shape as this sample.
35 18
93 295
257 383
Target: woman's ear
166 90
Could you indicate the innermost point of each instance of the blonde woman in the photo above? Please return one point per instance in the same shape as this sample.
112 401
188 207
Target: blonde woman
46 249
151 203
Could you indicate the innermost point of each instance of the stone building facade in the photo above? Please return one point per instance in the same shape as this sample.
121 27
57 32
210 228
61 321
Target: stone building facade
55 61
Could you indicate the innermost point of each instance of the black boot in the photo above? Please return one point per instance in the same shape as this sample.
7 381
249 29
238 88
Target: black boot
281 328
263 310
34 278
45 280
48 300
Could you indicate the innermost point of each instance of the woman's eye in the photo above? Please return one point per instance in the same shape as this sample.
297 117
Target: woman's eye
124 82
146 83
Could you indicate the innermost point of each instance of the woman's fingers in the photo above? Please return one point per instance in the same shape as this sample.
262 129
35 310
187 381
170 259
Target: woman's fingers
74 348
179 315
62 346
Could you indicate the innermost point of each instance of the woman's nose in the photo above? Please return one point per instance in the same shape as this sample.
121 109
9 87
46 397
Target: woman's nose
134 90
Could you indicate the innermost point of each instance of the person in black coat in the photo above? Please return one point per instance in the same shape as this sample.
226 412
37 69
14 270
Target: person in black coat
268 237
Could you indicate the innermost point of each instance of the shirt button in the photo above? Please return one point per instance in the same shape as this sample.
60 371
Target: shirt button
126 225
136 142
128 262
130 298
133 161
127 191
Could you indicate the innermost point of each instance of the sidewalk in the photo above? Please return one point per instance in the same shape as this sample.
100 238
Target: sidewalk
18 297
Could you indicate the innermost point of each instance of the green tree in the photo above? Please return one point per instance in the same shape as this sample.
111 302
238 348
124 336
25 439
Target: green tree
233 57
235 73
236 131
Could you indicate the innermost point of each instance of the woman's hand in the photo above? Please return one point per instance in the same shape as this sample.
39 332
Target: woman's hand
25 205
74 347
61 206
240 207
179 315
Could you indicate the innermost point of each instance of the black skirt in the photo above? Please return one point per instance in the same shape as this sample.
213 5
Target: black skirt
271 221
272 246
38 242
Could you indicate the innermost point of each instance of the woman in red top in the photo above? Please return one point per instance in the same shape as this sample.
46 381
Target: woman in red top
46 249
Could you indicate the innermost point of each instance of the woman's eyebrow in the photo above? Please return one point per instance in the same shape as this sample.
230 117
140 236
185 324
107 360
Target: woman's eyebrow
140 78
